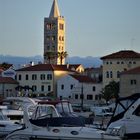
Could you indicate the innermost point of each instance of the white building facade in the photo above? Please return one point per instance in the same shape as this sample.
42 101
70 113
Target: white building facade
41 78
73 86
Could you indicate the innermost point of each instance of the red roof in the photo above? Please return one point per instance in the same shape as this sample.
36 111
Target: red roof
122 54
75 66
132 71
8 80
45 67
83 78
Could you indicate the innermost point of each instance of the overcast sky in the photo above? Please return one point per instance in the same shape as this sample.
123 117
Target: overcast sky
93 27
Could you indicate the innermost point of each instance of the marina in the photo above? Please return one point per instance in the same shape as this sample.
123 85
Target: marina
56 120
63 96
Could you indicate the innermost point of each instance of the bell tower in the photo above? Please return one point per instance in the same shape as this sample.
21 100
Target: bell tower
54 36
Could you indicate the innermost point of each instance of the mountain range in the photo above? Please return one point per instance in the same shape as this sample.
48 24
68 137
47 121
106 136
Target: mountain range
19 61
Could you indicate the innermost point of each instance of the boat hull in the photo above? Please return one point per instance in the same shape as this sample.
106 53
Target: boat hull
63 133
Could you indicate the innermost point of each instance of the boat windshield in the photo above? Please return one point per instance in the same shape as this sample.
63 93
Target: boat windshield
64 107
2 116
122 106
42 112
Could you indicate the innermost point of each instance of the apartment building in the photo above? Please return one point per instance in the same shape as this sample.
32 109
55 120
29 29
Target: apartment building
130 82
115 63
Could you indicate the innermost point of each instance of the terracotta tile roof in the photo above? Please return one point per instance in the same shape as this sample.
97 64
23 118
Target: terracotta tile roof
74 66
8 80
132 71
45 67
83 78
122 54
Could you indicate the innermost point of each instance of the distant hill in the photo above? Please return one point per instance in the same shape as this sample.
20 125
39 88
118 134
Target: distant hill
19 61
85 61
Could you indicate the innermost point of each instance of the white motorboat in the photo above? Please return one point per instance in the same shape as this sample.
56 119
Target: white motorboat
6 126
64 108
43 122
127 116
13 107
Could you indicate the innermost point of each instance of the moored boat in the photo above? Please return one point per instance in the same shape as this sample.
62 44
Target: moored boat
46 123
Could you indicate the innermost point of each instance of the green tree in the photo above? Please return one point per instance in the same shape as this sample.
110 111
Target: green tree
62 55
50 56
5 65
110 91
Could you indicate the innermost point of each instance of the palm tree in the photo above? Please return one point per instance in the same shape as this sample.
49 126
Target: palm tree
62 55
49 56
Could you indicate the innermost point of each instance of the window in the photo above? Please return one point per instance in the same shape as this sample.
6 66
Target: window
49 77
81 96
118 62
34 77
48 26
100 96
61 26
133 82
49 88
89 97
19 77
48 38
42 88
48 48
111 74
42 77
61 97
107 74
94 88
76 96
118 74
34 87
134 62
96 97
53 48
62 87
53 38
71 86
122 62
59 38
62 38
107 63
27 77
110 62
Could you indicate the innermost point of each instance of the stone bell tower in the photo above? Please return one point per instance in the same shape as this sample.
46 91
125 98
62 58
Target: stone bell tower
54 36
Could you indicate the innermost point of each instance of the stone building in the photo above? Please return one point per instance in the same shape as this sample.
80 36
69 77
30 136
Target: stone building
130 82
115 63
54 36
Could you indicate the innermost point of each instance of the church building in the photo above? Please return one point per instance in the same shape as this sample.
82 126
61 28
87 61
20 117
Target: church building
54 37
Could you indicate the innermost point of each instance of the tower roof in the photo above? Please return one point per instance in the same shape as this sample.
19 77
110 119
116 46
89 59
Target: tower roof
54 10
